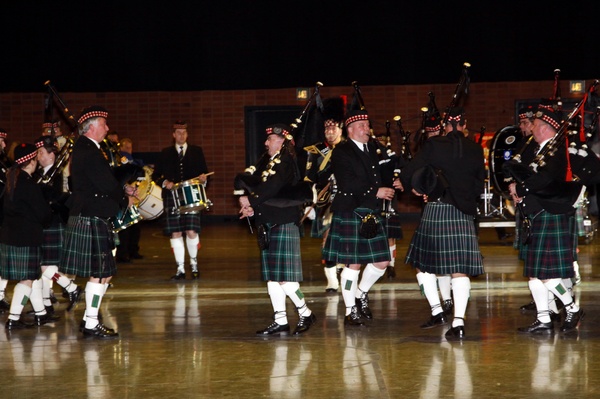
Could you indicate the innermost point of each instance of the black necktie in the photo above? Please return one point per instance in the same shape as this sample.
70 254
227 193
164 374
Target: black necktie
365 148
180 163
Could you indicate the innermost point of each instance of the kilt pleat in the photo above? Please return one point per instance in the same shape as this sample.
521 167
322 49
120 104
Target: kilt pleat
282 260
175 223
87 250
52 245
19 263
445 242
345 245
393 226
550 251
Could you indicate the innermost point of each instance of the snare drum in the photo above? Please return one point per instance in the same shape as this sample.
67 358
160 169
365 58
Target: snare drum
190 196
126 218
149 196
151 206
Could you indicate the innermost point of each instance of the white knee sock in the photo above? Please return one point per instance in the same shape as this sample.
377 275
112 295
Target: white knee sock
93 299
20 297
46 287
369 277
277 295
539 292
331 275
551 302
178 248
445 286
52 273
428 284
292 290
556 286
461 288
349 279
393 255
36 297
192 247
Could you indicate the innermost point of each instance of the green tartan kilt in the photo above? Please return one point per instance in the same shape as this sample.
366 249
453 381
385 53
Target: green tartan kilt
19 263
175 222
52 245
87 250
393 226
445 242
282 260
551 249
345 245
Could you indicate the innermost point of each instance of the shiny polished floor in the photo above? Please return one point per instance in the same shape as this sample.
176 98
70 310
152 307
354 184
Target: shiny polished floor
195 339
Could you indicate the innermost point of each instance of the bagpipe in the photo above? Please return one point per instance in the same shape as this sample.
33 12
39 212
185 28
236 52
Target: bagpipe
62 158
583 166
295 194
428 180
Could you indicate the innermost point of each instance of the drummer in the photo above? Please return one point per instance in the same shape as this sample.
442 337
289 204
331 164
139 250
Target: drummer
178 163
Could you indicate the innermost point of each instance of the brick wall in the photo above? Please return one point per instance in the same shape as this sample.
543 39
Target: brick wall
216 118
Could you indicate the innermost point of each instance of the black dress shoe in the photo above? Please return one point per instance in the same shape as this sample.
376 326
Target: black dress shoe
274 328
45 319
178 276
448 306
82 325
4 305
100 332
363 306
304 323
537 327
434 321
572 320
455 333
74 297
195 275
529 306
16 325
391 272
330 290
137 256
354 318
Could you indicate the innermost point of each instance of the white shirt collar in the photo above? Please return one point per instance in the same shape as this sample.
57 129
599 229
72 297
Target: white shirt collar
359 144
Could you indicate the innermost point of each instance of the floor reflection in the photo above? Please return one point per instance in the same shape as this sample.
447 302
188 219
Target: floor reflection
196 338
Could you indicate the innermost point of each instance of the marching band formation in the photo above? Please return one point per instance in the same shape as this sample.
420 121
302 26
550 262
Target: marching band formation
356 176
66 199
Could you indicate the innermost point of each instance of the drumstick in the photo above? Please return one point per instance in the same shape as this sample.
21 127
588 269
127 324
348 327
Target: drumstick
209 173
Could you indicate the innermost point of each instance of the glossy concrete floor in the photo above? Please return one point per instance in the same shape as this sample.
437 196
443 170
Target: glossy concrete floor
195 339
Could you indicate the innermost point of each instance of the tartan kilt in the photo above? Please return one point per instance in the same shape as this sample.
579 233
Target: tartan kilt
393 226
282 260
19 263
52 245
175 222
345 245
445 242
550 251
87 249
